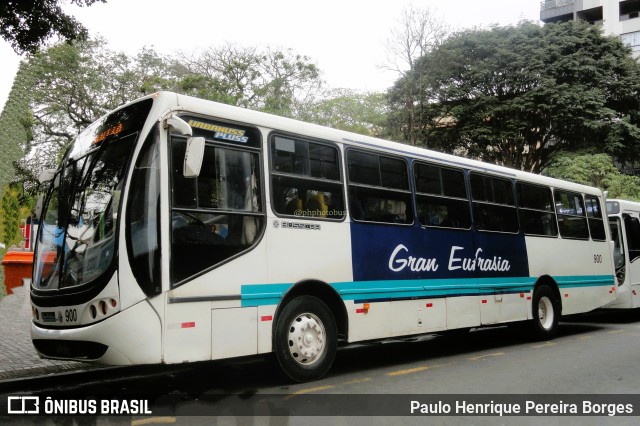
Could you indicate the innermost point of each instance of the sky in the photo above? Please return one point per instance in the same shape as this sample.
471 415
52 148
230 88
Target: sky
345 38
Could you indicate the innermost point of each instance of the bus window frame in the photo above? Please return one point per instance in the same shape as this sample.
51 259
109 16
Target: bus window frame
473 201
590 217
631 237
410 191
258 151
417 193
552 211
271 140
584 215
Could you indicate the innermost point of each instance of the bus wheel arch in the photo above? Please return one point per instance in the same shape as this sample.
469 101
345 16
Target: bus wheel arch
546 308
307 327
327 295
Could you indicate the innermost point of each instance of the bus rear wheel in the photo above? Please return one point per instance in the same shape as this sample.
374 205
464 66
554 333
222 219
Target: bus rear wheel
546 313
306 339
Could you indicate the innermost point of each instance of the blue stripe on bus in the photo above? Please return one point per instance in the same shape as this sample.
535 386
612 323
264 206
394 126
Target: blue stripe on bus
388 290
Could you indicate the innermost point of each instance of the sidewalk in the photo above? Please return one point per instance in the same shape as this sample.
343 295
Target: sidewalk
18 357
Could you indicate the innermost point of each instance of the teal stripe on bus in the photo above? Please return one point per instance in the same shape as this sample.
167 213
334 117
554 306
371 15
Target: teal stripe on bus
385 290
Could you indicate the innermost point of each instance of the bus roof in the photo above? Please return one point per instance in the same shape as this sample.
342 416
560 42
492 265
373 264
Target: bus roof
300 128
624 206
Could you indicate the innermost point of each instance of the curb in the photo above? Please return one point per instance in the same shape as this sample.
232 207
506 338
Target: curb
42 378
47 382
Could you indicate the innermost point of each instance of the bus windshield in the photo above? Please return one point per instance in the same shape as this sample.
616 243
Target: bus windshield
76 241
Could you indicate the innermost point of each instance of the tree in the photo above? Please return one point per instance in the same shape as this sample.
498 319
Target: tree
73 85
278 81
517 95
27 25
349 110
63 89
418 32
11 215
595 170
16 123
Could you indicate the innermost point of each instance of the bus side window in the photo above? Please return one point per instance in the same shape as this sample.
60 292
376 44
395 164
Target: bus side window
535 209
596 222
217 215
618 244
379 188
493 203
441 197
632 231
184 189
571 215
305 179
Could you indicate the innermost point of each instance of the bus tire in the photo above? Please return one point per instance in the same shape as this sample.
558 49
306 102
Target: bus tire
306 339
546 313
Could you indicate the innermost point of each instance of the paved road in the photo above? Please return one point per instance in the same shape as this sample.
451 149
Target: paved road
595 354
18 358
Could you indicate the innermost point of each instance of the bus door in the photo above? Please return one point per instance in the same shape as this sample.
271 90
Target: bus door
217 220
631 282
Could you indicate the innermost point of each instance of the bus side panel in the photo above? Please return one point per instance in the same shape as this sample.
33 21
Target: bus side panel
266 315
432 315
188 332
400 318
509 286
300 250
585 299
546 257
579 293
442 273
463 312
200 311
304 250
391 252
373 324
625 299
234 332
418 316
405 318
504 307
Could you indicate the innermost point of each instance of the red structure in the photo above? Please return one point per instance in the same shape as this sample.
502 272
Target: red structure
17 265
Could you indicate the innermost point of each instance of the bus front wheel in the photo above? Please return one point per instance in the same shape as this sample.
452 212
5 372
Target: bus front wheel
546 313
306 339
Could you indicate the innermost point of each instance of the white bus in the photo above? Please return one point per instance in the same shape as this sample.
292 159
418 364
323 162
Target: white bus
179 229
624 220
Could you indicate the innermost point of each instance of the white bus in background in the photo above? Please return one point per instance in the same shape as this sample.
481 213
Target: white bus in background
179 229
624 220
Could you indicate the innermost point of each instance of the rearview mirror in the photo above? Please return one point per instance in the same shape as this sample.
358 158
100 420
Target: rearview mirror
39 206
46 175
193 157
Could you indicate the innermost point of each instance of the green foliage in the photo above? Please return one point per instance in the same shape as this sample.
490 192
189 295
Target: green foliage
63 89
517 95
16 124
596 170
349 110
11 215
27 25
275 81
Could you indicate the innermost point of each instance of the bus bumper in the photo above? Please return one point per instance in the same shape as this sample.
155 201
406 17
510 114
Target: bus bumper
133 336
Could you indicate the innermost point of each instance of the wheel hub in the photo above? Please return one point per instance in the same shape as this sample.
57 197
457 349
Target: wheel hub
545 312
306 339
